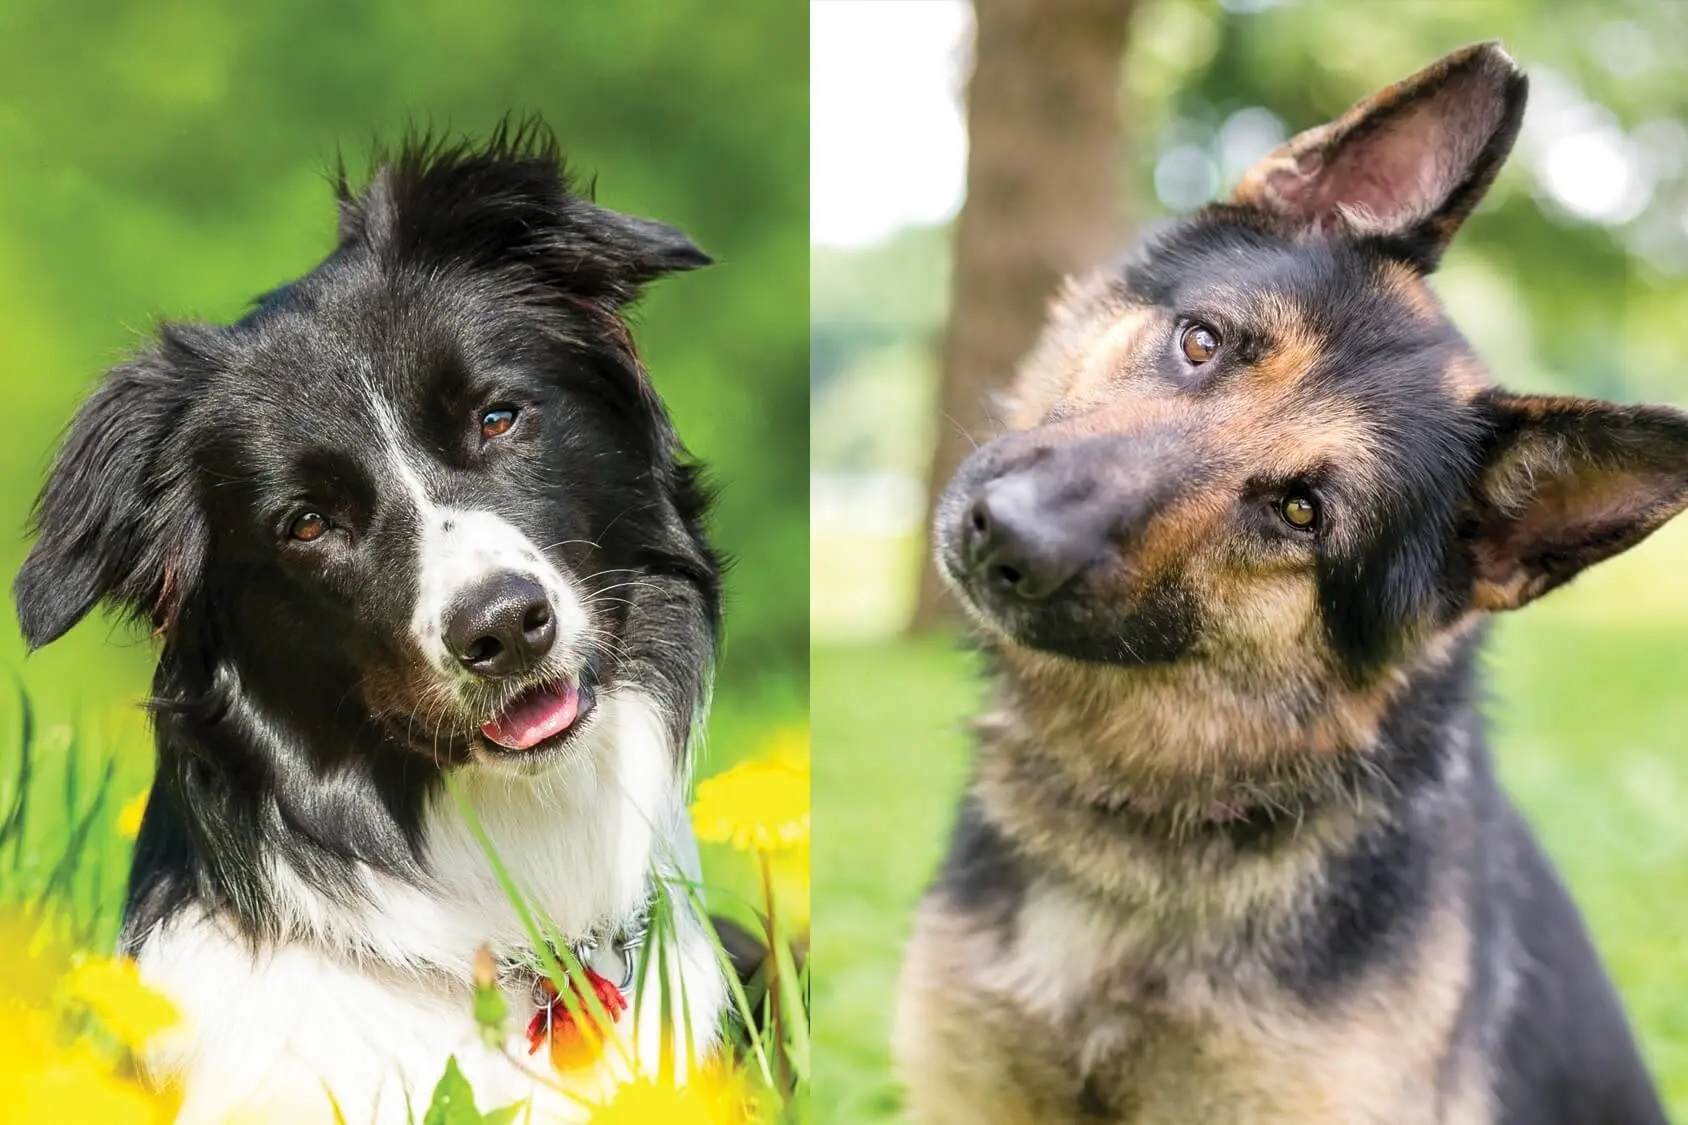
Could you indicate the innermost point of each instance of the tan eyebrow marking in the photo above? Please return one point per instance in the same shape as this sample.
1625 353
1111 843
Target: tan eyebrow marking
1411 289
1294 349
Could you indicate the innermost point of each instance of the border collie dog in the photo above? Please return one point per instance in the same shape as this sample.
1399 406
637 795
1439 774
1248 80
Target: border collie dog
416 537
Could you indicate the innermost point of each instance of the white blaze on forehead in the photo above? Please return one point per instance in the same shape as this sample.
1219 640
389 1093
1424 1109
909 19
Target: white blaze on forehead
459 547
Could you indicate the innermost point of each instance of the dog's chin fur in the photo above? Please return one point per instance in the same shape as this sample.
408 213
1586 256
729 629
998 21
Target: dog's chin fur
369 994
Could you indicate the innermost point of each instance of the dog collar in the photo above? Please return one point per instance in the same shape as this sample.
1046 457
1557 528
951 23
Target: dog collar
552 1021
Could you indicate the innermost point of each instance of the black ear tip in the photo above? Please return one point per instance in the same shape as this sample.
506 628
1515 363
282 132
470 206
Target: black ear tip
36 634
1486 77
649 247
45 610
1495 52
690 257
1490 56
1495 63
671 247
30 621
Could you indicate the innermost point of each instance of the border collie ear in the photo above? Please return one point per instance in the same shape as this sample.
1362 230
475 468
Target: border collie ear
108 523
1568 482
1405 166
508 201
643 249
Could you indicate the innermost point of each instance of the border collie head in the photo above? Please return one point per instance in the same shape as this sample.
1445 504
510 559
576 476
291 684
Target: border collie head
415 511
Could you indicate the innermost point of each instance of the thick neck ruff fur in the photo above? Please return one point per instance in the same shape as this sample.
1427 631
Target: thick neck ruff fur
369 992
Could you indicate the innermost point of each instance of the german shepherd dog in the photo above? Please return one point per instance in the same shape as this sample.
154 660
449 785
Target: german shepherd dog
1233 849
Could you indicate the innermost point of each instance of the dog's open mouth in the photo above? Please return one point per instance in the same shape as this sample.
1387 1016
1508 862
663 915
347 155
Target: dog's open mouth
540 715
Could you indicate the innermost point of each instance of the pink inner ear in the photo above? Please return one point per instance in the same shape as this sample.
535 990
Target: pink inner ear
1401 176
1580 492
1566 513
1395 167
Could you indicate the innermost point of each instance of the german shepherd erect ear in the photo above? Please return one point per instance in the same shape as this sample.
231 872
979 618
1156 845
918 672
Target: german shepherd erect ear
1404 167
1566 483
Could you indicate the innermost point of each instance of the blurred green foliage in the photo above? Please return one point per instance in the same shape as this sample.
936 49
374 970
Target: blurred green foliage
172 160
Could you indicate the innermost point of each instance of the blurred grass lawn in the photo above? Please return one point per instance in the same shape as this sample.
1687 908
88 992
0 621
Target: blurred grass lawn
1587 713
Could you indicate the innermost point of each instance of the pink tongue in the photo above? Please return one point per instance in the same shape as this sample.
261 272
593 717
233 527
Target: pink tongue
534 718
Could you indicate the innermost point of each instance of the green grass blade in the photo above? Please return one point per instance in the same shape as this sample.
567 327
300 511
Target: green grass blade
59 879
735 989
537 935
17 819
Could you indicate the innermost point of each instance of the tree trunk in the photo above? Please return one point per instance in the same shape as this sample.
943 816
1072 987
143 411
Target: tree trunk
1044 161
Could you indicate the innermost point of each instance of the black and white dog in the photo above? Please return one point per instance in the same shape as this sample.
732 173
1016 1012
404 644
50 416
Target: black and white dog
419 515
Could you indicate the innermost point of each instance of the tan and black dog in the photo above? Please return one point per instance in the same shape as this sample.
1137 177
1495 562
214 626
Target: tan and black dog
1233 850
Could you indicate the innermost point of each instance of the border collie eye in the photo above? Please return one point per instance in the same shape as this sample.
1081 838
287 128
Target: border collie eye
308 527
496 422
1299 510
1198 342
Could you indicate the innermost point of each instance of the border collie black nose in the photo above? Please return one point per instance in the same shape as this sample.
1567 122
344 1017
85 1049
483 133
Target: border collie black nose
501 626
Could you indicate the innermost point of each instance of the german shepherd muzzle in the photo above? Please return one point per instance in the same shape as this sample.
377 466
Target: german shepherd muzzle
1233 850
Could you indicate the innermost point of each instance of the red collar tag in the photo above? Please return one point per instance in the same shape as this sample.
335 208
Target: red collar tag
571 1044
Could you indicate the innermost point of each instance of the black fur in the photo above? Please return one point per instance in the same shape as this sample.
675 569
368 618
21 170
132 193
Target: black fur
1568 1056
285 702
982 872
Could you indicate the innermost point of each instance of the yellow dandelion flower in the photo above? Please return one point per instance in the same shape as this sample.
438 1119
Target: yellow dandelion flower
716 1096
760 806
26 1046
77 1084
47 1080
50 1073
129 816
111 987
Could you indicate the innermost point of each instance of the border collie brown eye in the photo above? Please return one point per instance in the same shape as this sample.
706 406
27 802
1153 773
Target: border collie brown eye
1299 510
497 422
308 528
1198 343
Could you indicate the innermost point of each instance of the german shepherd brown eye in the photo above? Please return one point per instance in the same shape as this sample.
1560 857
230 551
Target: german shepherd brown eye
1299 510
496 422
308 527
1198 343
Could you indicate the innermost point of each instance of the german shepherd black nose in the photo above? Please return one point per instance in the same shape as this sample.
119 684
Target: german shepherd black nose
1020 545
1033 522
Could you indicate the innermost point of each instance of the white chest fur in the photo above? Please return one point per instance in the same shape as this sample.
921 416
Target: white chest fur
375 998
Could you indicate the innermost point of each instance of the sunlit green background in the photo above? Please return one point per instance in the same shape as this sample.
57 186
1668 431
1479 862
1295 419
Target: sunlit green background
172 160
1572 277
